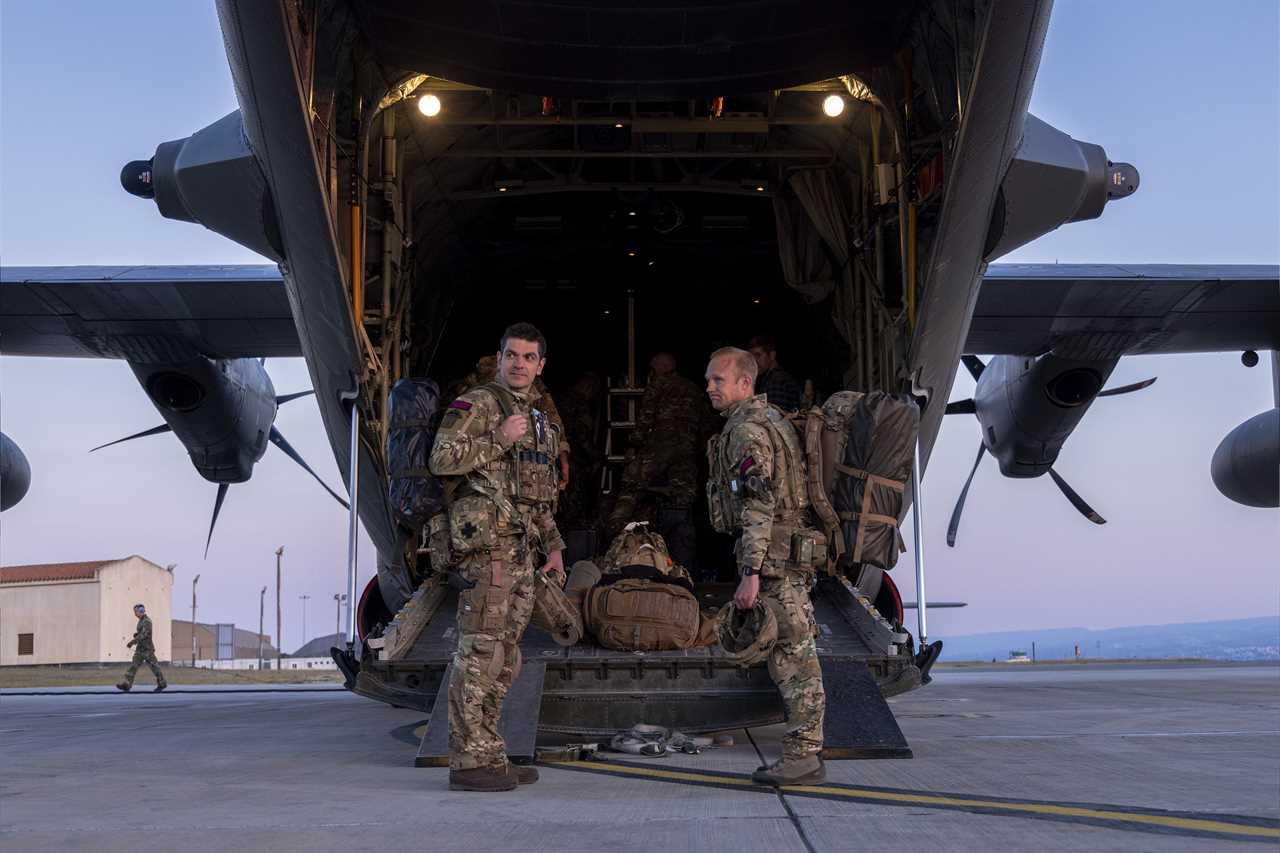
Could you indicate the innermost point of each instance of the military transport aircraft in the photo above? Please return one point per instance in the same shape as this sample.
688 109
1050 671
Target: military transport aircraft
423 174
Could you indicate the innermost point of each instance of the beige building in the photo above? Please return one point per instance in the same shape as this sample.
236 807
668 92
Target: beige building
245 644
81 612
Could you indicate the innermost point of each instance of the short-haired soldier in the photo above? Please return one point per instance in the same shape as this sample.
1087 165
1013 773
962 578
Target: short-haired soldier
757 491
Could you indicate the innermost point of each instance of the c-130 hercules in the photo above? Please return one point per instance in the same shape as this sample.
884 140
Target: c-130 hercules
407 169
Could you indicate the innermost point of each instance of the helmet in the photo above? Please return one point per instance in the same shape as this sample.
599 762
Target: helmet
747 636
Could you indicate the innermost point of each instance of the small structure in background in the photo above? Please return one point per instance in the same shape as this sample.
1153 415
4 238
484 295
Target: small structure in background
55 613
221 645
1018 656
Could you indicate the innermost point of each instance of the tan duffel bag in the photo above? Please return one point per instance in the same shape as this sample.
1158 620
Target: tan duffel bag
642 615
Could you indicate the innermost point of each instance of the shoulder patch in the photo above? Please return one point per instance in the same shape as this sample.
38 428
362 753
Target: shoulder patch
747 465
460 404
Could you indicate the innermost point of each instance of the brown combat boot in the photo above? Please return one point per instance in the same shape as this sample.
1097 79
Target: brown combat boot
791 771
523 773
124 687
487 779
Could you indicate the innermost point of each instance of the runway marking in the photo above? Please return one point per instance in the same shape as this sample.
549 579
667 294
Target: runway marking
1123 734
1227 827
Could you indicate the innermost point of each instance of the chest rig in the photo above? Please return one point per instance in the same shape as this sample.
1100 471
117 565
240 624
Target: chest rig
528 472
731 479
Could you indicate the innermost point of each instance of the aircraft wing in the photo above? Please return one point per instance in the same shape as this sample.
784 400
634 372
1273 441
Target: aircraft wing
1105 310
146 313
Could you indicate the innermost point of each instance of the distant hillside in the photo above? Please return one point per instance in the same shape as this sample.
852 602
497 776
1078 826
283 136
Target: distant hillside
1234 639
319 647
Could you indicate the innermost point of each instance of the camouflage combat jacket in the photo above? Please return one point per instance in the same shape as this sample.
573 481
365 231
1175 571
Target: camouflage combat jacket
142 641
497 491
757 491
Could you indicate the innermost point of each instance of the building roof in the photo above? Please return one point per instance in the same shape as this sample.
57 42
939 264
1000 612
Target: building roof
53 571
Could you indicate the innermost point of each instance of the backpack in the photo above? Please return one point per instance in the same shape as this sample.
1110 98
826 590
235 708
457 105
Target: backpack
860 449
413 418
642 614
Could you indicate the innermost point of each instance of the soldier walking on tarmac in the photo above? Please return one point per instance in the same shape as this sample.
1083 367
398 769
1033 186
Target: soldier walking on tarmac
497 454
757 491
144 651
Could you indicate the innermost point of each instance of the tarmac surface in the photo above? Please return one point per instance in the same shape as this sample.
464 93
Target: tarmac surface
1109 759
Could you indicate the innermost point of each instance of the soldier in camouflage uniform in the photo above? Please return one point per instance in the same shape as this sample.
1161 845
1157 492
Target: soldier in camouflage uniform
582 411
144 651
496 452
757 490
660 481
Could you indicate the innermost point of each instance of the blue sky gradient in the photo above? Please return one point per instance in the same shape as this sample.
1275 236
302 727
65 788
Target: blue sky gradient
1186 91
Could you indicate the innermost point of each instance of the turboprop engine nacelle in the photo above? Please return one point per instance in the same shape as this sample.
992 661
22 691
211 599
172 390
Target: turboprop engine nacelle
1052 180
212 178
1246 465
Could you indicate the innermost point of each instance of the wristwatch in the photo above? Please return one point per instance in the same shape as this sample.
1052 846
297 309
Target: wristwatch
748 573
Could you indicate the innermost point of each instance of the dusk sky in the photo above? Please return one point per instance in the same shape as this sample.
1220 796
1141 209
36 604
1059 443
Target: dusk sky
1189 93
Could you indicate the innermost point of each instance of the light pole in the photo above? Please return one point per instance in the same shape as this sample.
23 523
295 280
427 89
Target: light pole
338 599
305 599
279 632
262 603
194 581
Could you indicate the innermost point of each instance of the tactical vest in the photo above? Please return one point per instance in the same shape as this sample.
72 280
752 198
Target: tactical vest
793 544
529 471
725 486
503 491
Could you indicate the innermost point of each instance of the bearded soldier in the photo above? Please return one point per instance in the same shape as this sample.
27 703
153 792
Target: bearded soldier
757 491
144 651
497 455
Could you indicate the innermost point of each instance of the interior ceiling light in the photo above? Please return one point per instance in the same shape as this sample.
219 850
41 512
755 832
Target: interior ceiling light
759 188
618 125
631 254
631 213
429 106
833 105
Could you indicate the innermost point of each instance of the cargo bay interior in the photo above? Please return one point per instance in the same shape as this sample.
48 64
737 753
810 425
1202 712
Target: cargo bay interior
677 216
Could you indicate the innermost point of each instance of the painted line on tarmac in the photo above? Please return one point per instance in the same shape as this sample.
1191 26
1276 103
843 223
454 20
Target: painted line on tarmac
1203 825
1122 734
171 691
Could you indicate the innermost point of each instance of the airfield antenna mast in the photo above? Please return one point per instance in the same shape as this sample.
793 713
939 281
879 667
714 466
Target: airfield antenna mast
304 599
279 632
194 581
262 603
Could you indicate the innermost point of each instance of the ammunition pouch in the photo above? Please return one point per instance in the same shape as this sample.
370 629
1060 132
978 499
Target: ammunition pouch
473 525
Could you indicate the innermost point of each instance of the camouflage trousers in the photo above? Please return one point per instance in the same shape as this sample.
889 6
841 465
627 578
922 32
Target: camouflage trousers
139 658
492 617
793 664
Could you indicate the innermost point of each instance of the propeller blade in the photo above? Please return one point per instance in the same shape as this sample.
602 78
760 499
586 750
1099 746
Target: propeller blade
284 398
217 508
143 434
961 407
954 526
279 441
1125 389
1076 500
974 365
